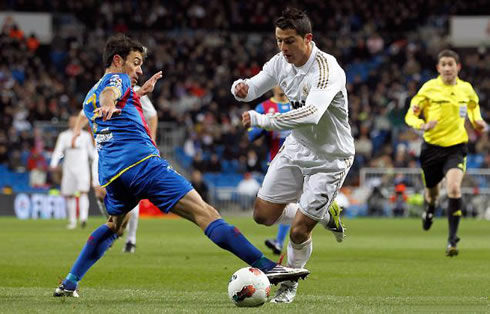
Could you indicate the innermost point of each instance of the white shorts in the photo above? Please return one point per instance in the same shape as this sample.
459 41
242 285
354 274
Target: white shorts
297 174
75 181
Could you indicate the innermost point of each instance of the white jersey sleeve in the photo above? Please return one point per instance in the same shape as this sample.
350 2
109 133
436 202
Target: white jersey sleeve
59 149
325 85
259 84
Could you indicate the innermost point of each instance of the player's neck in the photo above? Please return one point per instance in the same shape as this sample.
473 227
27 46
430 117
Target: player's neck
450 82
307 55
113 69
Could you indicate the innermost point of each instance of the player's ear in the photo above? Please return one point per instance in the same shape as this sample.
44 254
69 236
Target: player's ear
458 65
117 60
308 38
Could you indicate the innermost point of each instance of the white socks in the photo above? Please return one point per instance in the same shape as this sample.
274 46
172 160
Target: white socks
71 208
133 225
84 204
288 214
299 254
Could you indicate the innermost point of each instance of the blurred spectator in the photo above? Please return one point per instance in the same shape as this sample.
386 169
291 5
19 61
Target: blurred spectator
32 43
214 164
247 191
199 185
399 201
38 167
376 201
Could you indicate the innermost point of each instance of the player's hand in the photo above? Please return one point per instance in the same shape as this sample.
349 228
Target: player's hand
246 122
76 134
106 112
241 90
100 192
481 126
149 85
429 125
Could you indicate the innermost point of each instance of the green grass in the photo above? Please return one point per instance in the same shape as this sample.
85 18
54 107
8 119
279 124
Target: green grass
384 266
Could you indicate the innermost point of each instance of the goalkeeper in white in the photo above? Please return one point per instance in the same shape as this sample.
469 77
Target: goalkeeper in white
315 159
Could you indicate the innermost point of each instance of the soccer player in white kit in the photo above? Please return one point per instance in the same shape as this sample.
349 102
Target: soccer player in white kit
76 171
314 160
150 114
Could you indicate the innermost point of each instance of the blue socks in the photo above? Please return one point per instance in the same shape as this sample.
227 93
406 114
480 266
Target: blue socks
231 239
98 242
282 232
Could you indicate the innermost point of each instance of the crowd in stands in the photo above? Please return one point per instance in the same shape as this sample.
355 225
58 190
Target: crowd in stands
387 48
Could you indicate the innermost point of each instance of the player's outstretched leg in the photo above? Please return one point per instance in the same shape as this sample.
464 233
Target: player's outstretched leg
98 242
228 237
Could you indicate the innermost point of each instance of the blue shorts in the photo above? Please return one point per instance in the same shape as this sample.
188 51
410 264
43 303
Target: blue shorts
152 179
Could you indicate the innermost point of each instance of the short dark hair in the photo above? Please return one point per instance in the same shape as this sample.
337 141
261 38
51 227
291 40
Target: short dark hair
122 45
296 19
448 53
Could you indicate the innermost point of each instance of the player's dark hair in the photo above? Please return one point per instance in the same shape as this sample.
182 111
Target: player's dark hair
122 45
296 19
448 53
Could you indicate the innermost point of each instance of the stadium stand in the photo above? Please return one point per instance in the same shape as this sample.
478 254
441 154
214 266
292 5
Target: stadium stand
204 48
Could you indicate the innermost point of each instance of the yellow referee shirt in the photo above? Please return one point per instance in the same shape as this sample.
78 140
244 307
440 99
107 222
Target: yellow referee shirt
448 105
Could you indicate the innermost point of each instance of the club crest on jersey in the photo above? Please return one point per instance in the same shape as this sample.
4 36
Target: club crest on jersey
306 90
271 110
116 81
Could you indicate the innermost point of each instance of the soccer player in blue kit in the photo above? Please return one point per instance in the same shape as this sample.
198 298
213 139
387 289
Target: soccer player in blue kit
131 169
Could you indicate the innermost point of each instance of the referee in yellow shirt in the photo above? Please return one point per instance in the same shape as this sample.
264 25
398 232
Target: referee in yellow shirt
440 109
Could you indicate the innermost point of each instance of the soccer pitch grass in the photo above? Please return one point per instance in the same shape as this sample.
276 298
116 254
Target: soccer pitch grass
384 266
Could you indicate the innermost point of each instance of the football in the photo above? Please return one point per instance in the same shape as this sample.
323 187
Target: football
249 287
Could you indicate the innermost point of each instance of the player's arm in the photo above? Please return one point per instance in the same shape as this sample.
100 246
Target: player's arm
107 101
81 122
249 89
417 105
474 114
317 102
256 132
149 85
57 152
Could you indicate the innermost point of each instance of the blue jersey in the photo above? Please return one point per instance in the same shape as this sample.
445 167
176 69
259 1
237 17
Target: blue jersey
274 139
124 140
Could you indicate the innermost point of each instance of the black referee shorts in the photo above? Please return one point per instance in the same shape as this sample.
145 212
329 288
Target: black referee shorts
437 160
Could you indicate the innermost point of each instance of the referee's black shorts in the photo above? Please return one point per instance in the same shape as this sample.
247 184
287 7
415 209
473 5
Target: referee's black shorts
437 160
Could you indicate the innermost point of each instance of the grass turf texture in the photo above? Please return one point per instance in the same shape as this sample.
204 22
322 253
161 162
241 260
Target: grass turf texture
384 266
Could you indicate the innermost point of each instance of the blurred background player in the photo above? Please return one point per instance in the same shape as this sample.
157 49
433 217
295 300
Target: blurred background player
150 114
279 103
76 171
444 103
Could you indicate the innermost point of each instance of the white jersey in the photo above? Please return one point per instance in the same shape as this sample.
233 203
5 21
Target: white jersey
75 159
319 118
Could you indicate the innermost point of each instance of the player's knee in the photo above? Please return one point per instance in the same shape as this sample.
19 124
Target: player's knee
261 218
298 234
453 190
